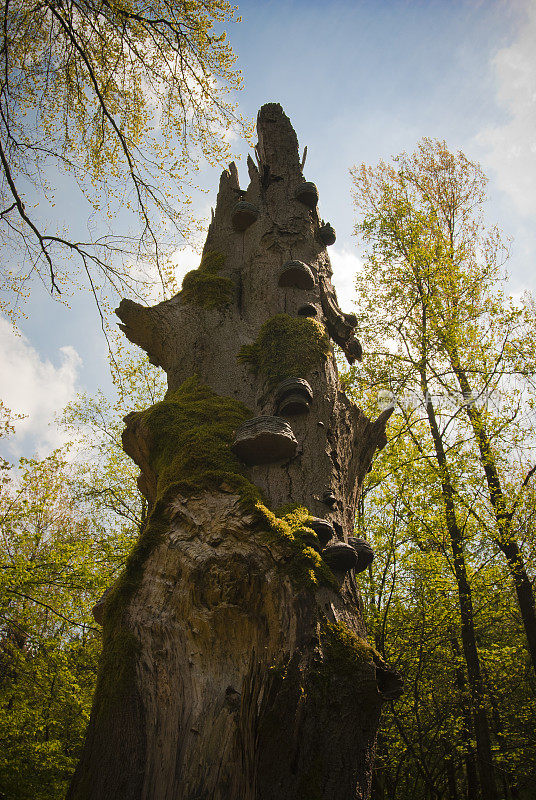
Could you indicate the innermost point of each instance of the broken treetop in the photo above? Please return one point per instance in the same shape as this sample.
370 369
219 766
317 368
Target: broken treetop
261 310
263 255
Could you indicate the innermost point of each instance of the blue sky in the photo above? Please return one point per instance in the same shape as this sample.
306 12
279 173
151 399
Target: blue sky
360 81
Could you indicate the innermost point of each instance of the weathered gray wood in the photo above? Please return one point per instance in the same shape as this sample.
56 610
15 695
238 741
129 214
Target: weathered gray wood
234 687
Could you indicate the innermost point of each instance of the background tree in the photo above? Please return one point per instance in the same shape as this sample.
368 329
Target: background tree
123 98
54 558
427 742
424 218
430 296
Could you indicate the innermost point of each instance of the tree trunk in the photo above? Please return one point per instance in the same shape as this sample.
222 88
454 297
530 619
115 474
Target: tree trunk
505 540
235 664
469 753
480 719
451 777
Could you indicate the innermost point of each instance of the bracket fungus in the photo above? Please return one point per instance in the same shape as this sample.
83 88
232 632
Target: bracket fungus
390 683
296 274
340 556
307 193
244 215
329 499
365 553
310 539
308 310
327 234
353 350
98 608
293 396
323 529
264 440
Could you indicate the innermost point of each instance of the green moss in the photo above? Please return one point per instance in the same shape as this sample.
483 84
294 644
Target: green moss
191 432
306 567
205 287
344 651
286 347
116 679
344 655
117 670
130 578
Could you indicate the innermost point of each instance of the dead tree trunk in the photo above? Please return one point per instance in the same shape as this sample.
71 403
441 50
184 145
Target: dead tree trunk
235 663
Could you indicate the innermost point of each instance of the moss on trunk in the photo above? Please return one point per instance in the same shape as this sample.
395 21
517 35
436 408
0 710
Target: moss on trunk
205 287
286 347
191 431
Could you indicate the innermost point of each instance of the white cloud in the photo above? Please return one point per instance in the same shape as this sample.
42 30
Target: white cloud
183 260
511 147
346 265
36 388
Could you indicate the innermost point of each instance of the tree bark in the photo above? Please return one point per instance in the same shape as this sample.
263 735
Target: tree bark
229 669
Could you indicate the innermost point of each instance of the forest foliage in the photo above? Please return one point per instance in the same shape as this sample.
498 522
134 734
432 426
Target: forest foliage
67 525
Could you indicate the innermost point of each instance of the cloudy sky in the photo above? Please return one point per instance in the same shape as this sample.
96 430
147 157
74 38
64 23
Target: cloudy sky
361 80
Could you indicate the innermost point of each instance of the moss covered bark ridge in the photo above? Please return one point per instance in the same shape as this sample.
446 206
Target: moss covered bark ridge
344 650
305 567
205 287
191 431
190 435
286 347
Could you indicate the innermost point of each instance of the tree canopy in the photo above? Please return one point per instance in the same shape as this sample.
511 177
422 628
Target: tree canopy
123 98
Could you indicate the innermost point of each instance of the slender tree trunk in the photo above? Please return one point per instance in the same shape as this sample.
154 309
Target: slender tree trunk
451 777
428 780
469 753
511 791
505 540
378 775
481 726
235 664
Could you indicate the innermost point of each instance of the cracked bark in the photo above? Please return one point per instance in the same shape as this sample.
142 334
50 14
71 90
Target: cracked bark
231 695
